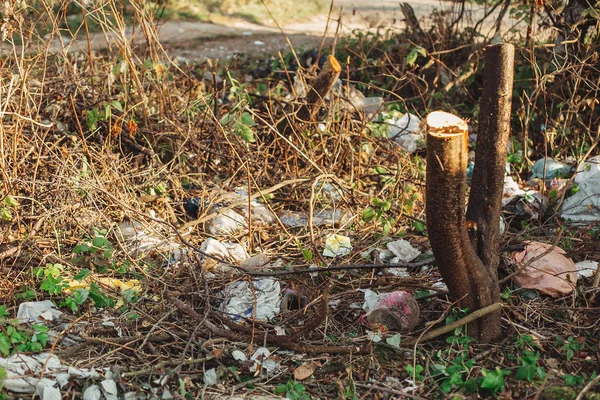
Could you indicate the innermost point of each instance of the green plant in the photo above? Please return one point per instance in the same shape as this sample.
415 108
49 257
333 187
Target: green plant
573 380
378 211
413 54
52 281
237 120
416 372
529 368
7 206
293 390
570 346
3 375
98 252
12 337
95 115
493 380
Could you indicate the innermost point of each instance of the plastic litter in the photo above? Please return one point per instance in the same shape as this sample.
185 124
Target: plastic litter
230 221
261 359
584 206
525 206
109 389
590 169
337 246
92 393
397 311
37 311
370 105
586 269
239 355
262 303
295 219
138 242
406 132
233 252
210 377
511 188
554 169
354 100
46 390
23 371
403 251
552 274
329 190
255 262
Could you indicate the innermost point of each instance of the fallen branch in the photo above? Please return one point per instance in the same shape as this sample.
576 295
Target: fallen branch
456 324
280 341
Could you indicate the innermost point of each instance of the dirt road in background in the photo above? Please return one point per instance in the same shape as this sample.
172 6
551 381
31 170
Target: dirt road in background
198 41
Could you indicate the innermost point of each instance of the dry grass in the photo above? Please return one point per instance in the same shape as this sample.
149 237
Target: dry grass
74 167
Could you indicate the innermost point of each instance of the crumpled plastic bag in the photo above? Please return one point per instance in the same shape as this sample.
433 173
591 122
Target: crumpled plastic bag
263 302
397 311
37 311
554 169
23 371
553 274
590 169
584 206
406 132
337 246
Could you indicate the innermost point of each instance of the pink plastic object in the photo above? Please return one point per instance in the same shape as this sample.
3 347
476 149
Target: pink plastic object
553 274
398 311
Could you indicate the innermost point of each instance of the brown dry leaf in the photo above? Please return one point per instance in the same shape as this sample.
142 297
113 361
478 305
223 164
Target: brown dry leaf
552 274
304 371
217 353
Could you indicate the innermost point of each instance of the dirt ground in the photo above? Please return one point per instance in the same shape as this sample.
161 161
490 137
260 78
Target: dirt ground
195 41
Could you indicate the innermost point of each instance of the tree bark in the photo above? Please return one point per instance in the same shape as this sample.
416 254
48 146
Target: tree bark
485 200
468 281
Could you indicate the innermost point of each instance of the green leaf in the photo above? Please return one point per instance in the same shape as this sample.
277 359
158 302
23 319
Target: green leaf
4 345
3 375
116 105
245 132
227 118
81 248
248 119
418 226
3 312
5 214
99 242
411 58
81 275
368 214
10 201
385 205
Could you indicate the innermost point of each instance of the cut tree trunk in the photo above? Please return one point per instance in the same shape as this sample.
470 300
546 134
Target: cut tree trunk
485 200
468 258
463 272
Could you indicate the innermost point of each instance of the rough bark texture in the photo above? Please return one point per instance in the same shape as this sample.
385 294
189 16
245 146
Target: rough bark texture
467 279
485 201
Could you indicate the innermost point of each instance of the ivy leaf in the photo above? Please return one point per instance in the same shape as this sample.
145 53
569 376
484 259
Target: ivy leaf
4 345
368 214
245 132
414 53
